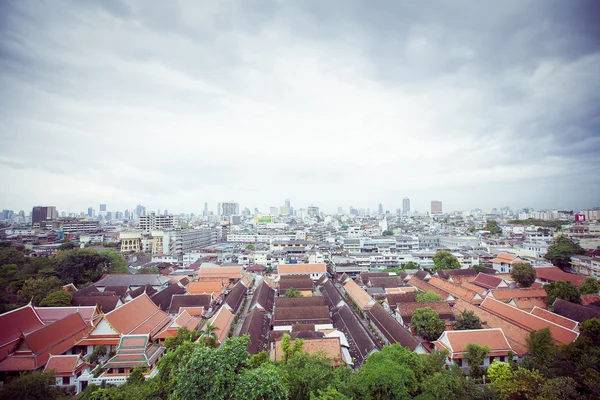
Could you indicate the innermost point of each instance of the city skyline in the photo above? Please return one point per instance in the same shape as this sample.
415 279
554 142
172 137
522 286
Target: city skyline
331 104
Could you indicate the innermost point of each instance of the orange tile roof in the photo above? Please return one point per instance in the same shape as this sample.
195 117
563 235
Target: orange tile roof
63 365
492 337
478 289
140 316
329 346
553 274
515 334
221 272
506 295
528 321
302 269
207 287
527 303
222 320
505 258
424 286
553 317
457 291
360 297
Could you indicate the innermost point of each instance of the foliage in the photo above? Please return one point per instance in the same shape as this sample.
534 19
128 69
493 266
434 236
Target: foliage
499 371
560 388
209 334
479 268
305 373
387 233
258 359
31 386
97 353
492 226
427 323
35 289
520 384
536 222
291 292
523 273
591 329
183 335
589 286
541 350
250 247
561 290
474 356
330 393
561 250
67 246
467 320
443 259
444 385
136 377
148 271
428 297
57 298
411 265
264 382
290 349
118 263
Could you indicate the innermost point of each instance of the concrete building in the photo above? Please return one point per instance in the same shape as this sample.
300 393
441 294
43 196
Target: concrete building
75 225
406 206
312 211
130 242
436 207
228 208
42 214
156 222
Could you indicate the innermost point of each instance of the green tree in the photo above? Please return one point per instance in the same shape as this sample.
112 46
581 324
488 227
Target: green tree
290 349
262 383
444 385
387 233
479 268
467 320
80 266
183 335
209 334
97 353
411 265
591 329
474 356
589 286
330 393
57 298
250 247
67 246
521 384
492 226
523 273
443 259
428 297
499 371
392 373
561 250
307 373
258 359
427 323
559 388
117 262
136 377
148 271
291 292
36 289
541 350
561 290
31 386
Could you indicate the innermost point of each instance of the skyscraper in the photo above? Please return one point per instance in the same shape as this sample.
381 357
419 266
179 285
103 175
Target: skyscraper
436 207
41 214
287 203
406 206
380 209
102 207
228 208
205 212
90 212
312 211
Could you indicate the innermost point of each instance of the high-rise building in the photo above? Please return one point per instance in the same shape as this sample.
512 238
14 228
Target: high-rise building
90 212
436 207
156 222
228 208
380 209
406 206
126 214
140 211
205 212
41 214
312 211
287 203
102 207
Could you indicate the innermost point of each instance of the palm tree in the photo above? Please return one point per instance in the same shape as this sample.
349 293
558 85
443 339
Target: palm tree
209 333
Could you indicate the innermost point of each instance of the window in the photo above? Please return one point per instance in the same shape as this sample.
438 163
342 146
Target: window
121 370
503 358
66 380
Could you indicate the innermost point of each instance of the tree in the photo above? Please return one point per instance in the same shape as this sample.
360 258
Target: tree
492 226
561 250
118 263
541 350
467 320
97 353
148 271
427 323
444 385
307 373
67 246
411 265
31 386
80 266
591 329
387 233
589 286
474 356
562 290
428 297
443 259
35 289
250 247
262 383
183 335
209 333
519 384
57 298
291 292
290 349
560 388
330 393
479 268
499 371
523 273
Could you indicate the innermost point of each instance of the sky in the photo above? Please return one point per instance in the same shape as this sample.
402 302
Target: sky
339 103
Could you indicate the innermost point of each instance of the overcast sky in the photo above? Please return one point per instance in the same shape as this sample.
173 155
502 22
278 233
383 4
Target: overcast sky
336 103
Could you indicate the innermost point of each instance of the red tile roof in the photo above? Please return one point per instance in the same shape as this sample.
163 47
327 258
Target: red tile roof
456 291
506 295
14 323
557 319
139 316
64 365
487 281
554 274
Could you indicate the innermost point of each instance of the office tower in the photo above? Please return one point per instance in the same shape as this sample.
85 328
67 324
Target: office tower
102 207
287 203
406 206
126 214
166 213
90 212
140 211
41 214
205 212
228 208
156 222
312 211
380 209
436 207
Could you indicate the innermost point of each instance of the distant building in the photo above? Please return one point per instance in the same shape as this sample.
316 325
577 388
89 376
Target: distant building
436 207
42 214
312 211
380 209
156 222
406 206
228 208
90 212
102 207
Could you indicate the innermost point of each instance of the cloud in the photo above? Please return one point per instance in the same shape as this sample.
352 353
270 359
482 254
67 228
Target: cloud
334 104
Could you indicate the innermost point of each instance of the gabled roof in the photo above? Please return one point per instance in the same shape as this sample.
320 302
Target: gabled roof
207 287
140 316
301 282
456 291
14 323
478 289
329 346
163 298
390 328
264 296
506 258
133 351
528 321
221 272
313 301
392 299
331 295
406 310
256 325
365 276
235 297
361 343
65 365
487 281
556 318
393 281
456 341
301 315
424 286
553 274
574 311
506 295
86 291
118 290
131 280
358 295
423 275
51 314
222 321
148 289
183 319
528 303
301 269
188 300
104 303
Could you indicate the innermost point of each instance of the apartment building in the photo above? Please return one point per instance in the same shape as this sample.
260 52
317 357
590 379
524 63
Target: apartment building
153 222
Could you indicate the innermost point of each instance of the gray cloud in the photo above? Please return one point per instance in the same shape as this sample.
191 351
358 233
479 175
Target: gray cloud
338 103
